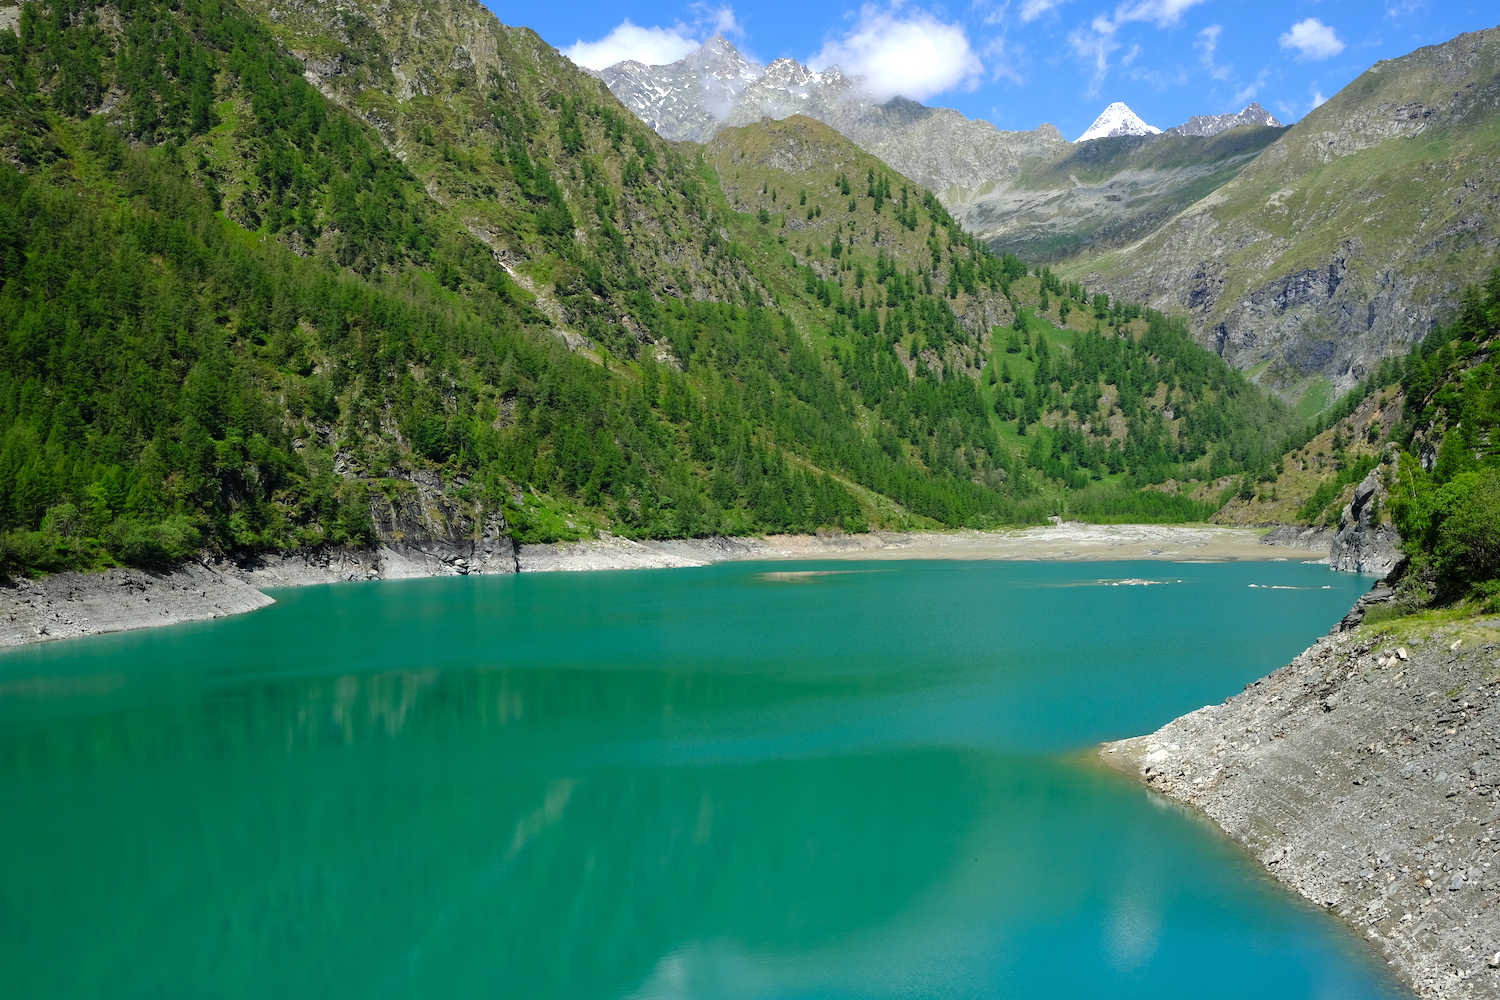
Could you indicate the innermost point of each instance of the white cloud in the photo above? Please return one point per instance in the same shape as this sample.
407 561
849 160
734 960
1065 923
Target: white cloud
652 46
1094 44
1318 100
1162 13
717 20
1033 9
1207 44
1312 39
914 56
1245 94
1004 59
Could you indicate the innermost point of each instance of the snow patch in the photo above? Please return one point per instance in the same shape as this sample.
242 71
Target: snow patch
1117 119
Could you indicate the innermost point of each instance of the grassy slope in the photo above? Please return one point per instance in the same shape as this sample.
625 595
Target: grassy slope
1398 162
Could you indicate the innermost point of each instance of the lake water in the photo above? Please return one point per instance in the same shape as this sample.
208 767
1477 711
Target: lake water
727 782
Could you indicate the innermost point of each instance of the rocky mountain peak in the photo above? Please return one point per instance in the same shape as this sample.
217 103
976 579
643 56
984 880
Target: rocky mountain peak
1210 125
1118 119
719 57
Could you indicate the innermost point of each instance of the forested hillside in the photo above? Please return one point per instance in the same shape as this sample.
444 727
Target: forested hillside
1446 500
235 309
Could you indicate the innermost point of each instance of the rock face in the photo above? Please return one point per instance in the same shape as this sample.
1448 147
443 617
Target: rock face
1347 238
1363 544
1032 193
1297 536
424 531
1365 775
1207 125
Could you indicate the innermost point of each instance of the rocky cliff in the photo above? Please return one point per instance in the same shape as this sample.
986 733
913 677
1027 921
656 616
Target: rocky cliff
1207 125
1364 543
1027 192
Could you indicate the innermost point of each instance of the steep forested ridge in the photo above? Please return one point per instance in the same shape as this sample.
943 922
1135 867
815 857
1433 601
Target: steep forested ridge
234 308
1446 499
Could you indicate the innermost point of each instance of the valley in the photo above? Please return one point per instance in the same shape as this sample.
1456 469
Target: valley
299 293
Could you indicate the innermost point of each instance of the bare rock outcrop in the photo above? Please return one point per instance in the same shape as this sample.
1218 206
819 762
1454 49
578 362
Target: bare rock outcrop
1300 536
1363 543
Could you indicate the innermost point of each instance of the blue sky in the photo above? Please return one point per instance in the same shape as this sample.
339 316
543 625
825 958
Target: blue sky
1019 63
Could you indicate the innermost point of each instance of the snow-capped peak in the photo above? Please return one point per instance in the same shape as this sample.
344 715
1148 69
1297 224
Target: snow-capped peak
1118 120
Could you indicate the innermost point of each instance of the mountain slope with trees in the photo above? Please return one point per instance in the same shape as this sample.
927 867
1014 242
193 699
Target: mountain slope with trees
250 297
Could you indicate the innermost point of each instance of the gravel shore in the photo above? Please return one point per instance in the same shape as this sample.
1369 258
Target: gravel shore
65 605
1365 775
74 604
1069 541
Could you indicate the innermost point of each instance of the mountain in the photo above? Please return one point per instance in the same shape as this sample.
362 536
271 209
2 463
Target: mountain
316 276
1346 239
686 100
1118 120
1030 193
1209 125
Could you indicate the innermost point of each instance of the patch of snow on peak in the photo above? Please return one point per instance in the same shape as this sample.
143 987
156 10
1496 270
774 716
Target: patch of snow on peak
1117 119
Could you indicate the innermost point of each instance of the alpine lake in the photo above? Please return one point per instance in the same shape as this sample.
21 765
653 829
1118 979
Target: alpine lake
749 780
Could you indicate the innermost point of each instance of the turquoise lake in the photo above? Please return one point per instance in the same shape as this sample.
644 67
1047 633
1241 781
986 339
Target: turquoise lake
726 782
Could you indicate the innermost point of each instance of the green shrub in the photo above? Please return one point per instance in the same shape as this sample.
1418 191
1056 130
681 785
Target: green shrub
154 546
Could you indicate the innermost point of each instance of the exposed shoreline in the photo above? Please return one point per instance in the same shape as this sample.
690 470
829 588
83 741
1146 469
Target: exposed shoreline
66 605
1365 776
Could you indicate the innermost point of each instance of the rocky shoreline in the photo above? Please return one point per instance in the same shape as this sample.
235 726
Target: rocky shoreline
1365 775
66 605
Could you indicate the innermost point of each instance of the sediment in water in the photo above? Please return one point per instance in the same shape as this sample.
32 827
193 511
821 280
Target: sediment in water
1365 775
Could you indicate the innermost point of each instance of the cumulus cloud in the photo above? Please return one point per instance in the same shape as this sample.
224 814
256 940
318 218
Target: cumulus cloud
1312 39
913 55
652 46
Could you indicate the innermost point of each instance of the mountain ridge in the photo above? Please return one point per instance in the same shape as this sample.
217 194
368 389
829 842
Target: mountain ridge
986 177
1290 270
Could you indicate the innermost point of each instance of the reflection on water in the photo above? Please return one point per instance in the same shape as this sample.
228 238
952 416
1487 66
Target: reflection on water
680 784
